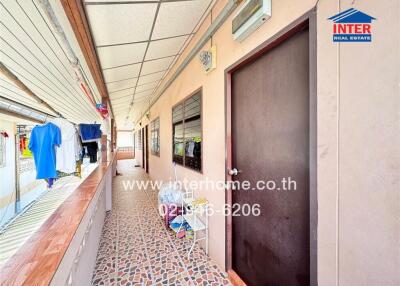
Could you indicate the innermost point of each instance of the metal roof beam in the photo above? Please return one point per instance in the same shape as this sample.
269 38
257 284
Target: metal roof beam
14 79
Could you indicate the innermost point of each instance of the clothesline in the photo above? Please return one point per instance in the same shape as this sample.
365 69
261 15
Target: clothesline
61 116
59 146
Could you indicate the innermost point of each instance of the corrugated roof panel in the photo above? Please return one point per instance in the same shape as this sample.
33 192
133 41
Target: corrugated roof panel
31 51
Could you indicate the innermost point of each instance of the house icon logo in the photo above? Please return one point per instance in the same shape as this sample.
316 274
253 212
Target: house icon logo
352 25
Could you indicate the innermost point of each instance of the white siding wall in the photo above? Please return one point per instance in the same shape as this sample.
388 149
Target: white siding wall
7 174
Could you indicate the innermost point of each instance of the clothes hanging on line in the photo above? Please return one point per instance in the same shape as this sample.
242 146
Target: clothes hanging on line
189 148
23 146
78 145
197 150
92 148
22 142
89 132
50 182
76 173
43 141
178 148
69 149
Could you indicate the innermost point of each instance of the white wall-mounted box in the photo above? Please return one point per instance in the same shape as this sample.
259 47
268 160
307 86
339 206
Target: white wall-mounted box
251 15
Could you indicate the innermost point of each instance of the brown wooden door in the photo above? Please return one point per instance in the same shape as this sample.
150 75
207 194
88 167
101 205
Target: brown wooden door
270 141
147 147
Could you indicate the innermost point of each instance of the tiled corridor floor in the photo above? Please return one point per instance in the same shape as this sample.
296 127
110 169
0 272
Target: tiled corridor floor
136 248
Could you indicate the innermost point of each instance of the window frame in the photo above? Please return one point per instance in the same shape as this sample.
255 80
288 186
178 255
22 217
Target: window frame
182 101
152 129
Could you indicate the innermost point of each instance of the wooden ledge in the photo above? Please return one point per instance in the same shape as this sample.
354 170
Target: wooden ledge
38 259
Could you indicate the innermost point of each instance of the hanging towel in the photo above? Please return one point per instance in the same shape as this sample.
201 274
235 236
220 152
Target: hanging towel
89 132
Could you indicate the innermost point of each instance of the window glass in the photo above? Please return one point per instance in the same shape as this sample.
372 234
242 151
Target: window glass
192 134
155 136
187 133
177 129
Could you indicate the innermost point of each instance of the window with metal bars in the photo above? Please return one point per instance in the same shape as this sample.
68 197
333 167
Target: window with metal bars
155 136
187 132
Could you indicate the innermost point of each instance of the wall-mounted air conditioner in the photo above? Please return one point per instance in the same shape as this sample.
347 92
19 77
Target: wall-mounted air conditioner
251 15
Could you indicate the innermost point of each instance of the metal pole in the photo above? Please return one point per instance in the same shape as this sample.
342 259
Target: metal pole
72 58
17 183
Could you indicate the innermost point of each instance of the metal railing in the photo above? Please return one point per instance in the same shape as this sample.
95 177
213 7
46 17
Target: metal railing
125 149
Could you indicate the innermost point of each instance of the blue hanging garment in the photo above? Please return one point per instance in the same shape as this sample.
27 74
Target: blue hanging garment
43 141
89 132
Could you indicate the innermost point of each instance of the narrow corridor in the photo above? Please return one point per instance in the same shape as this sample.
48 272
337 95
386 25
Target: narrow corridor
137 249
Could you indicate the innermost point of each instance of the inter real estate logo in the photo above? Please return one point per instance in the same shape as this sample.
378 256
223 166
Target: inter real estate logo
352 25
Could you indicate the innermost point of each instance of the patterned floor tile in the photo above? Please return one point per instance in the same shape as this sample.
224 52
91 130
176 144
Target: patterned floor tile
208 274
130 233
181 244
166 267
157 233
131 256
159 247
105 271
104 281
196 258
135 275
107 246
137 249
182 279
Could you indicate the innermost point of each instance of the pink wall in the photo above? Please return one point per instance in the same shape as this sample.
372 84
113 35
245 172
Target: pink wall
358 149
213 85
358 138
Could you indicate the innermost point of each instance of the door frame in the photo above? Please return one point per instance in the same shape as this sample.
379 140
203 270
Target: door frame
134 144
308 20
146 131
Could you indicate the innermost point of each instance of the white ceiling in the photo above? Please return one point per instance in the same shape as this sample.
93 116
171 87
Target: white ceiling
137 43
30 50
